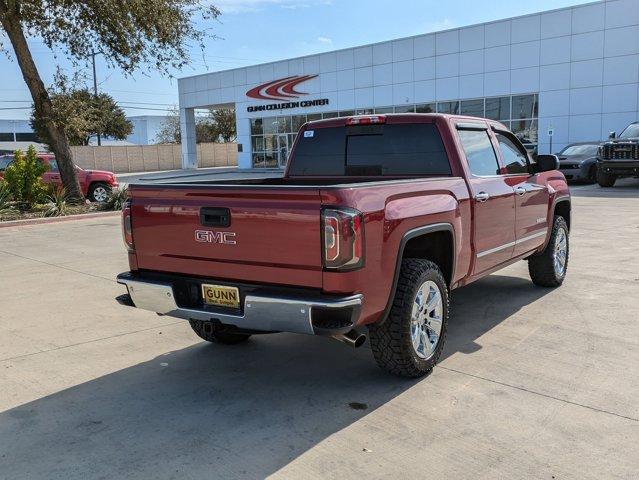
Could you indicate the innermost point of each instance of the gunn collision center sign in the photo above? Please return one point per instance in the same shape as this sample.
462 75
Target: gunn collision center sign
284 91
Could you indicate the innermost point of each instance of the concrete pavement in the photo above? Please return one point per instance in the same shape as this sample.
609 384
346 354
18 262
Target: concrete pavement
534 384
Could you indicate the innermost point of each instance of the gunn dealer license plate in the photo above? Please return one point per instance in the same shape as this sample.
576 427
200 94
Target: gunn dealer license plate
221 296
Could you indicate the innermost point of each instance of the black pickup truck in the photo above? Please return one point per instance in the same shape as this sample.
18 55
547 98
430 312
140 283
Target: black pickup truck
619 156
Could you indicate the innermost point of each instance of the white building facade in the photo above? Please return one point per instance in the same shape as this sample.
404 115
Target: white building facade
573 72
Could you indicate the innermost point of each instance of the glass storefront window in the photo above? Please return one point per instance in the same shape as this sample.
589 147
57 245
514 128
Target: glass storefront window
272 137
256 126
524 106
269 125
270 159
297 122
498 108
473 108
448 107
258 160
525 130
283 124
257 143
426 108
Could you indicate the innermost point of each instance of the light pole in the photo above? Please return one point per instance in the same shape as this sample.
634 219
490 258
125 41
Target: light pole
95 86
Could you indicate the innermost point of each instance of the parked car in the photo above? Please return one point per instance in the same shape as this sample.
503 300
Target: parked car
578 161
619 156
96 185
376 219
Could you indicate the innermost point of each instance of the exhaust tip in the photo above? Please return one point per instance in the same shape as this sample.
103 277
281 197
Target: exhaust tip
352 338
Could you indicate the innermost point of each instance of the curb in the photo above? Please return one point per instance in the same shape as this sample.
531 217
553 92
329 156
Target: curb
68 218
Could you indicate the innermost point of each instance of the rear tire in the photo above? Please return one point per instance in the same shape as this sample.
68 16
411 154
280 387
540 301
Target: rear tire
605 180
216 334
548 268
592 174
410 341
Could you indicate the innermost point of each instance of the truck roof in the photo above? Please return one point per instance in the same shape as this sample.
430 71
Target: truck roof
393 118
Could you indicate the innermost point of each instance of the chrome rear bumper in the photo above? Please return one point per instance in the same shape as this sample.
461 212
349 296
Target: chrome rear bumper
265 313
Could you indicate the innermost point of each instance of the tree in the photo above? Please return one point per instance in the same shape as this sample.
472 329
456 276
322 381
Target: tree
156 33
83 114
224 124
205 129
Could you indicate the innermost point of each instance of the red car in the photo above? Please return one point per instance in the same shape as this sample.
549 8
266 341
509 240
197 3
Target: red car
375 221
96 185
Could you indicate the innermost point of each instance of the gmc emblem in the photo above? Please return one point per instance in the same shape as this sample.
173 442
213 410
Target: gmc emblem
206 236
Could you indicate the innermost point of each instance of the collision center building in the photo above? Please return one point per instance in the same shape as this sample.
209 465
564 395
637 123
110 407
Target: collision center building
560 76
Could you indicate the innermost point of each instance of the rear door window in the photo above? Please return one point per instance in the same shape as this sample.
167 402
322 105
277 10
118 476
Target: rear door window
371 150
479 152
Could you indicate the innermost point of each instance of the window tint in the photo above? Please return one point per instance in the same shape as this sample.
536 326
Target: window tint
53 165
406 149
320 152
479 152
514 159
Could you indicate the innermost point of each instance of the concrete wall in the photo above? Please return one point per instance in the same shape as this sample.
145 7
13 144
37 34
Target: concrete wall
150 158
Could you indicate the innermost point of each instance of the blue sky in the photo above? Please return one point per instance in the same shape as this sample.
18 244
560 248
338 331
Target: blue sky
258 31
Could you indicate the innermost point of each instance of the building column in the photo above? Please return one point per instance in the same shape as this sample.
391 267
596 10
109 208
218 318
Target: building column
187 132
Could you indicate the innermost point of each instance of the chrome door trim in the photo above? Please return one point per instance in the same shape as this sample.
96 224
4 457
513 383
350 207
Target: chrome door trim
512 244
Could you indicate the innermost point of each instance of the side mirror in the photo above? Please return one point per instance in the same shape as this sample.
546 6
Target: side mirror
612 135
546 163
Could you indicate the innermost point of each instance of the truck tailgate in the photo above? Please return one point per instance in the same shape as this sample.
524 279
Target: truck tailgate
273 235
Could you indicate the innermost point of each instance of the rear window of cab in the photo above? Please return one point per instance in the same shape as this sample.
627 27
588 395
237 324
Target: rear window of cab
371 150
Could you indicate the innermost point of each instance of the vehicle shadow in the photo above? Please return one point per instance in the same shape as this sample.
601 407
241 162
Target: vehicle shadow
225 412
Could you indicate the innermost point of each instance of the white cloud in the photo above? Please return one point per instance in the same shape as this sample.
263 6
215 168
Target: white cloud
326 40
436 26
249 6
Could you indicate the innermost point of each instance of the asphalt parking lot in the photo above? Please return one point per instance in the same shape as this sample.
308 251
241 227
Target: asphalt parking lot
534 383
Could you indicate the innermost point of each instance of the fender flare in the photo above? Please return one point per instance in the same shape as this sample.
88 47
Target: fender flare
409 235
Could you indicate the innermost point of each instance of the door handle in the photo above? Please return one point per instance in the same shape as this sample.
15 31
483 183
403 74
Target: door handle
520 191
482 197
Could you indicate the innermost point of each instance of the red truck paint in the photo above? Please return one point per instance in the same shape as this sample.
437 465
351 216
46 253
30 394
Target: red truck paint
86 178
277 227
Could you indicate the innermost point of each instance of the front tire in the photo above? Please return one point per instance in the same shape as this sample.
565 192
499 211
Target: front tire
99 192
410 341
548 268
605 180
215 334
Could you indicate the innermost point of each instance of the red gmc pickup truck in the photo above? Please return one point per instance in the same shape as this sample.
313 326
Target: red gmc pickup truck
376 219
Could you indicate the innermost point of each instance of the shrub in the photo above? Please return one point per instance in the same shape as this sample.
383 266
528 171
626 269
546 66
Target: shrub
56 203
5 196
24 178
116 199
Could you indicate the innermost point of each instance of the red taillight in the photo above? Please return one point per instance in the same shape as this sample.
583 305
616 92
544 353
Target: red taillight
127 225
343 234
366 120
